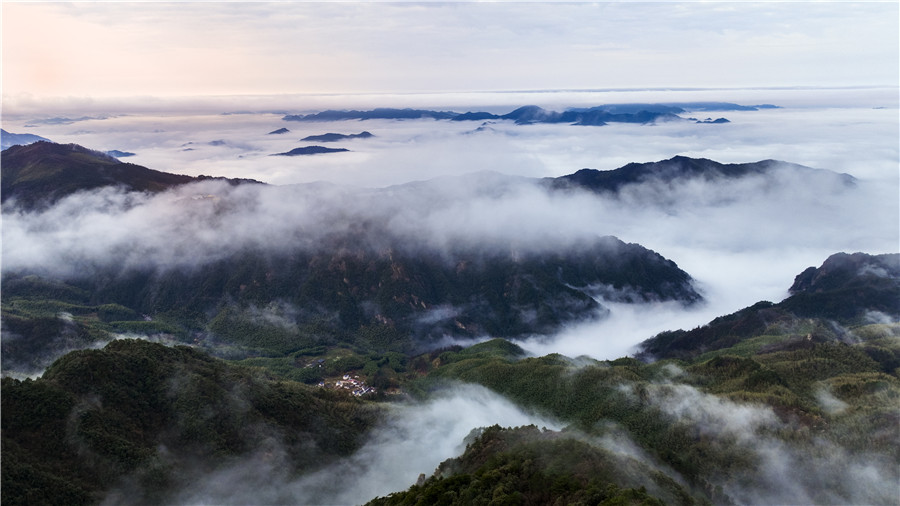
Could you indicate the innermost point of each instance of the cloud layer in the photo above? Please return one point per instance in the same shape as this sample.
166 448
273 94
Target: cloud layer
742 241
414 439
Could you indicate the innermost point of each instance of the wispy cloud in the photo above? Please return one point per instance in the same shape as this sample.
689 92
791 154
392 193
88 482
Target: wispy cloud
412 440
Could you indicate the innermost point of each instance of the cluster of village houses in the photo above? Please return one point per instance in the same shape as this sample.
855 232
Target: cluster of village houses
356 386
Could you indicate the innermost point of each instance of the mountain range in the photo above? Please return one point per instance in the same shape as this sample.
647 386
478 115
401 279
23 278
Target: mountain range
236 378
142 422
591 116
45 172
41 173
360 276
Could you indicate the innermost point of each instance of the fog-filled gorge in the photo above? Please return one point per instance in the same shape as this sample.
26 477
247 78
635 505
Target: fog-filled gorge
742 240
413 440
438 191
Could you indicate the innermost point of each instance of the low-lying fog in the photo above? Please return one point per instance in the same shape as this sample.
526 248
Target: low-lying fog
414 440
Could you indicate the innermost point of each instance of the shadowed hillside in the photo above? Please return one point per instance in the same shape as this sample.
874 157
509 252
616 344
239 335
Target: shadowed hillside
39 174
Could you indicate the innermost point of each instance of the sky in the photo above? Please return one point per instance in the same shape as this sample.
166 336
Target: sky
109 52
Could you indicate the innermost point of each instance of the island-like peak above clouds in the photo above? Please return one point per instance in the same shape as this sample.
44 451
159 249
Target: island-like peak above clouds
332 137
311 150
681 167
530 114
380 113
44 172
41 173
7 139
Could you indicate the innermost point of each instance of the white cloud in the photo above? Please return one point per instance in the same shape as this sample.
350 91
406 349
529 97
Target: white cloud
413 440
742 241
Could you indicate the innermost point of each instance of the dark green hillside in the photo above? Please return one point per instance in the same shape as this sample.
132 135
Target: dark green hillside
41 173
154 415
527 465
394 296
871 282
814 400
44 319
382 300
818 397
821 389
44 172
846 289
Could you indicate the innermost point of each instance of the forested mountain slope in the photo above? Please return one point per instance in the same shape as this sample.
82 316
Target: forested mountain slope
148 419
39 174
848 289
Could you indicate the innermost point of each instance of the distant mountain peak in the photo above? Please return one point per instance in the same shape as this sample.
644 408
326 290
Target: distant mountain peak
8 139
528 114
842 269
119 154
311 150
677 167
332 137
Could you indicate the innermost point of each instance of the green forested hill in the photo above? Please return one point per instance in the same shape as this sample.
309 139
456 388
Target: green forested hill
784 409
848 289
382 300
39 174
527 465
771 387
714 425
157 416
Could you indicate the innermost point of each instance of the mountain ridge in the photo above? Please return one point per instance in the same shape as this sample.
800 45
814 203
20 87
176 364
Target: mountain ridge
611 181
847 289
44 172
334 137
9 139
311 150
39 174
588 116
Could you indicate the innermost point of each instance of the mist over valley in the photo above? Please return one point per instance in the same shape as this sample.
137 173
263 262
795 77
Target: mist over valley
450 253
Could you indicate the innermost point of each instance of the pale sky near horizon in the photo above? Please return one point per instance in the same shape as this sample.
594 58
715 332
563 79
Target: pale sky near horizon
100 50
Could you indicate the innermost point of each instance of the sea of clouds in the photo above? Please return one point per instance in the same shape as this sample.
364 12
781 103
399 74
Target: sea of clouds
743 241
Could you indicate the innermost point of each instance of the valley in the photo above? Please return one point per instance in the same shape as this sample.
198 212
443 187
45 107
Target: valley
148 374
